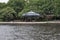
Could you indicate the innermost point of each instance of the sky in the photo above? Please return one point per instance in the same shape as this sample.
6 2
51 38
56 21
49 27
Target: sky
4 1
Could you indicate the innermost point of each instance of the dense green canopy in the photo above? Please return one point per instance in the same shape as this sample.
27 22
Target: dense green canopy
15 8
7 13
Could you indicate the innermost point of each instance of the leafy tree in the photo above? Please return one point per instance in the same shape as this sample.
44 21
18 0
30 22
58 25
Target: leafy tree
15 8
40 6
2 5
8 14
17 5
56 7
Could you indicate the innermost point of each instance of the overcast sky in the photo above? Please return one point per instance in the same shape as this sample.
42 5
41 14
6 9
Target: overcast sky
4 1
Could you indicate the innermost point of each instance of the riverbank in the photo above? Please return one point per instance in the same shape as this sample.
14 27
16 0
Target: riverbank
46 22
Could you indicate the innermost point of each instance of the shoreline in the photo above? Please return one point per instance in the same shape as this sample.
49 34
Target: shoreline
46 22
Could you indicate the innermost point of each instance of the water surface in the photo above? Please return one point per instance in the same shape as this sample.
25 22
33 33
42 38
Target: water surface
30 32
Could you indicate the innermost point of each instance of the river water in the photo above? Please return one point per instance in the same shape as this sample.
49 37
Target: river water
30 32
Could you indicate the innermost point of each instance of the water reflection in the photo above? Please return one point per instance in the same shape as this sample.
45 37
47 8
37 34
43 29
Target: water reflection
29 32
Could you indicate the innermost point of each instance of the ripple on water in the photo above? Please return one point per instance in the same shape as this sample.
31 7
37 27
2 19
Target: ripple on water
28 32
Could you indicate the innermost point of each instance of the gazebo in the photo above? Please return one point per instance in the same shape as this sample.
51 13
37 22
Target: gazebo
30 16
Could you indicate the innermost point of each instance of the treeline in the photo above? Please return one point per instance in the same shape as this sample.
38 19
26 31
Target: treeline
14 9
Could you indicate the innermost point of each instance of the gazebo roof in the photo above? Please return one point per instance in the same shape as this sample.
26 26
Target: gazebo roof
31 13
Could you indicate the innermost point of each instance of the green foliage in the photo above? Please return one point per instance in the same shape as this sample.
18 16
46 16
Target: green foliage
2 5
17 5
22 12
57 7
7 13
45 7
15 8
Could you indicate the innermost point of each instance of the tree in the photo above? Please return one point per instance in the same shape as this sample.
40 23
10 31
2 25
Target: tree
8 14
56 7
17 5
2 5
39 6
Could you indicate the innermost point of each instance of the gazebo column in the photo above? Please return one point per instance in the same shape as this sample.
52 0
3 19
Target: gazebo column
30 19
35 18
25 19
